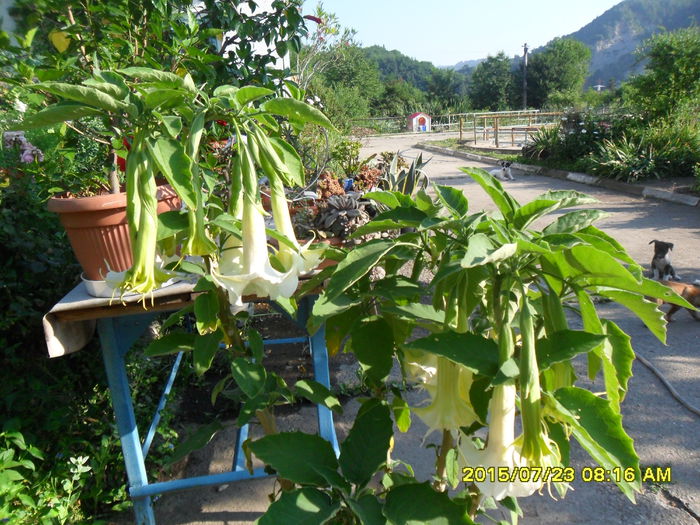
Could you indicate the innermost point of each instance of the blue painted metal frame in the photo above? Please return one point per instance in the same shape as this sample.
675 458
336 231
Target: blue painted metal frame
117 334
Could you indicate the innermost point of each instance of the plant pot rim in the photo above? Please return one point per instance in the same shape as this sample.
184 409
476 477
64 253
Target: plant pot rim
107 201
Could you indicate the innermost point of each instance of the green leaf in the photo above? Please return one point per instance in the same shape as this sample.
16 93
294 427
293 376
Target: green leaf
364 450
206 309
205 348
533 210
297 111
564 345
225 90
164 78
172 125
481 250
358 262
170 157
401 411
373 345
305 506
647 311
339 327
317 393
574 221
598 428
250 377
502 199
171 223
453 199
368 509
477 353
325 308
619 351
256 345
199 439
416 311
56 114
452 470
175 317
295 455
291 160
248 94
163 98
170 344
83 94
419 504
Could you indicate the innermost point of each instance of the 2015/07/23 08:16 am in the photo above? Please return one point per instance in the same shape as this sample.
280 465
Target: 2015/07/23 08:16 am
565 474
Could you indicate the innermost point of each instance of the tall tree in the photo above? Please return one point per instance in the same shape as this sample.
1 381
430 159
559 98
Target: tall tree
672 73
490 83
560 68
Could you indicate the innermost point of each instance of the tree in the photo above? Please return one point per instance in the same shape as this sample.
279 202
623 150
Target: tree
560 68
445 90
672 73
399 99
490 83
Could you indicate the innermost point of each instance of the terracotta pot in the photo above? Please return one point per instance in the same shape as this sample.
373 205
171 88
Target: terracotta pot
98 230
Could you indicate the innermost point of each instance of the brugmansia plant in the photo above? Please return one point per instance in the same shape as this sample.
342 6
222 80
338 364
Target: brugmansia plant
496 309
500 348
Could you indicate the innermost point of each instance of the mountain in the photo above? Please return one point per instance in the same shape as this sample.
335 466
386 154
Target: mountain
395 65
614 35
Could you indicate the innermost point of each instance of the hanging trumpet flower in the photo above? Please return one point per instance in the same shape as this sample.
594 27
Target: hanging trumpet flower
244 267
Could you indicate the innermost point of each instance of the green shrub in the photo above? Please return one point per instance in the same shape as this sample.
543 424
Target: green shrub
625 159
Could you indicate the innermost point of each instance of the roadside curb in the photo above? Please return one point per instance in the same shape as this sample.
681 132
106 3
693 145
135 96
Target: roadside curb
647 192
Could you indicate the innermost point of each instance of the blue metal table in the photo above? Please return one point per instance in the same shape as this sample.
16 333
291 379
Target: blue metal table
119 326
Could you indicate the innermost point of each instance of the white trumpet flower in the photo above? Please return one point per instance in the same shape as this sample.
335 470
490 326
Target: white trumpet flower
245 269
448 385
501 453
292 256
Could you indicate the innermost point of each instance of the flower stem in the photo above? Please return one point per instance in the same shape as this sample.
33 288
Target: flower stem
440 472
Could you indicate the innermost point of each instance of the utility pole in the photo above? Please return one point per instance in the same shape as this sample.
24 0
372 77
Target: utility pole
525 76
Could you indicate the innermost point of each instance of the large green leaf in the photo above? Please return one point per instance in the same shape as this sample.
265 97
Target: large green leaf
171 344
199 439
598 428
163 78
250 93
205 348
481 250
110 83
574 221
373 345
565 344
453 199
250 377
295 456
618 349
291 159
364 450
419 504
317 393
56 114
358 262
477 353
533 210
206 309
84 94
416 311
325 308
305 506
502 199
647 311
297 111
368 509
170 157
339 327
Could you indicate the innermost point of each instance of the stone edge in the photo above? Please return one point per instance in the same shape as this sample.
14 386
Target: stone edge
581 178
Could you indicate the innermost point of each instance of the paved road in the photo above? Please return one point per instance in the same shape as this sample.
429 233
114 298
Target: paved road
665 433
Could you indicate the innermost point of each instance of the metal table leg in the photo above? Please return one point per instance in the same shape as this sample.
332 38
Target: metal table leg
116 337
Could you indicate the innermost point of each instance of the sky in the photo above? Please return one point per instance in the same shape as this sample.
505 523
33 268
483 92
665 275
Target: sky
445 32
